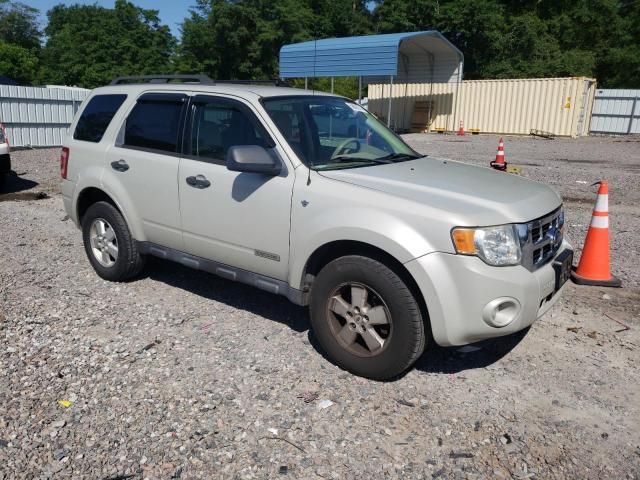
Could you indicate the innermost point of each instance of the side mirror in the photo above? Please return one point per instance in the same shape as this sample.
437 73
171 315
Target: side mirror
253 159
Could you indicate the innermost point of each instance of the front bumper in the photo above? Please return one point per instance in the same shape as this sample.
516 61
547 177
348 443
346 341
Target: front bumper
458 288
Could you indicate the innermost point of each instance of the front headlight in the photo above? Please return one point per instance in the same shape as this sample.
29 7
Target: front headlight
497 246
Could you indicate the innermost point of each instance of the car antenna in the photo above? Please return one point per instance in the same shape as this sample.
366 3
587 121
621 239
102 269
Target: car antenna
313 90
315 57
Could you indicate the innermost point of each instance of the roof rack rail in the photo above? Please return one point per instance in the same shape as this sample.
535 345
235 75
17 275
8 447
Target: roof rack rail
196 78
202 79
276 82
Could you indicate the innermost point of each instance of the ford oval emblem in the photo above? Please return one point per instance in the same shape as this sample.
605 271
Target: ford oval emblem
553 234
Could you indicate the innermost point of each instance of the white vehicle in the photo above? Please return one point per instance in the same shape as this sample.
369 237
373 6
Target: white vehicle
5 156
309 196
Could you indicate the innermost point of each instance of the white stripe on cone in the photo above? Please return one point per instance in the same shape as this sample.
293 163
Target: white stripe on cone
602 203
599 222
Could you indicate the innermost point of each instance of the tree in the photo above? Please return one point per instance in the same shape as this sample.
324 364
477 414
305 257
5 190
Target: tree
530 38
19 25
88 45
19 41
241 39
18 63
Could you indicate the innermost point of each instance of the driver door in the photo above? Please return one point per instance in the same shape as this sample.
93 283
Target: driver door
239 219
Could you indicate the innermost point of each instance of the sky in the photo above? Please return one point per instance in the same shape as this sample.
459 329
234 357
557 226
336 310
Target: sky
172 12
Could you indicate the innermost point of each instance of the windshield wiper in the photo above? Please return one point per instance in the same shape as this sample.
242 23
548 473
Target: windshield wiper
348 159
401 156
335 163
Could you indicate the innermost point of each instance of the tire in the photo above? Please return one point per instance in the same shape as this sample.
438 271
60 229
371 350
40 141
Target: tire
117 265
396 344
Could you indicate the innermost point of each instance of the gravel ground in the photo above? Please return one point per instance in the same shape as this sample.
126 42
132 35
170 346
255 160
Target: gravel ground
184 375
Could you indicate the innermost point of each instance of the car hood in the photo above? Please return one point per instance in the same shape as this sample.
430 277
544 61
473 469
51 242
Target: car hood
473 195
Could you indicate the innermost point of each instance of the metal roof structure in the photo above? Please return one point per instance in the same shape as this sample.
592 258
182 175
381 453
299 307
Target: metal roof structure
409 57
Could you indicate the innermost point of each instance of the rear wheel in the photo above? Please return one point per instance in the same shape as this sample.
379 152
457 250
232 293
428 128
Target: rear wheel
111 249
366 318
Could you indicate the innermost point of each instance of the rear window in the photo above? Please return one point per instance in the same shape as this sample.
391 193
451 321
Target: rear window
154 123
96 117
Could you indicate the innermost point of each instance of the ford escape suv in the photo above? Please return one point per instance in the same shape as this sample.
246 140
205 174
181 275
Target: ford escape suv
308 195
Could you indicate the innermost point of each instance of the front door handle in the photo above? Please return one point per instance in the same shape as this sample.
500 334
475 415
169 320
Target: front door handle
120 166
199 181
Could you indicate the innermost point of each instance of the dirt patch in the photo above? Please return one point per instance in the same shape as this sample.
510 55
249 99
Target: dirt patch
577 160
23 196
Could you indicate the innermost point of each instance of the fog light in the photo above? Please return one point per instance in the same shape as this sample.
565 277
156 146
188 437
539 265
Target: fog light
501 311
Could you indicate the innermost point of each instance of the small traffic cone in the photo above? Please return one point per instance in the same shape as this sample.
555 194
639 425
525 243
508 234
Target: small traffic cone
461 129
593 268
499 163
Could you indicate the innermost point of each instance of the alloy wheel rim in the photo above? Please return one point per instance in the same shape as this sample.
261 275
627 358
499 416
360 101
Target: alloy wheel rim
104 243
359 319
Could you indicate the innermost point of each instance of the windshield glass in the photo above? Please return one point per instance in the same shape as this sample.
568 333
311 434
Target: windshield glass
329 133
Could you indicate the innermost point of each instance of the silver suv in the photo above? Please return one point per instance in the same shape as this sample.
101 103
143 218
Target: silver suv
309 196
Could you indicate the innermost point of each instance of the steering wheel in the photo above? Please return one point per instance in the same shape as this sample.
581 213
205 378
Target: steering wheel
343 146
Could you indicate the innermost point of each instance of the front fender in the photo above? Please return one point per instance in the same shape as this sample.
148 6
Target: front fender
334 220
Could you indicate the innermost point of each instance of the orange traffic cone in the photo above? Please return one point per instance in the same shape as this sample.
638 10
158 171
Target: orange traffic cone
499 163
593 268
461 129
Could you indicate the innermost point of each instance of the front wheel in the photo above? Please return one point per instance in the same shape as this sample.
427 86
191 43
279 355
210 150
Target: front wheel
366 318
111 249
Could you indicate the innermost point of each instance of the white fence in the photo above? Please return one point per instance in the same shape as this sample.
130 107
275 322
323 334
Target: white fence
616 112
37 116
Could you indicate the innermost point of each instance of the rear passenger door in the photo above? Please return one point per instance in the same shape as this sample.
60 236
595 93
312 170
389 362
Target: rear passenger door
143 165
238 219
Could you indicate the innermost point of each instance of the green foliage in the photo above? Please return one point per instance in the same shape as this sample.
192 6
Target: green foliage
88 45
242 39
19 41
18 62
345 86
19 25
530 38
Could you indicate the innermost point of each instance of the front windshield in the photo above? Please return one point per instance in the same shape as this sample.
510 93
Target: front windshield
329 133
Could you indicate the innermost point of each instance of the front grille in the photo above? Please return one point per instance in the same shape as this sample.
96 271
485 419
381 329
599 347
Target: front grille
541 239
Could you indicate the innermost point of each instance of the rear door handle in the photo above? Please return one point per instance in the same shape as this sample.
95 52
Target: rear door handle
120 166
199 181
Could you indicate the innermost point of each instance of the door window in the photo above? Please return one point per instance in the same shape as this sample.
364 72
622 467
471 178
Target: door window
219 124
154 123
288 117
96 117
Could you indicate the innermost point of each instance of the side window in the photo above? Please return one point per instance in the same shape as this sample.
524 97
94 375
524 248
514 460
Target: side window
154 123
97 116
218 125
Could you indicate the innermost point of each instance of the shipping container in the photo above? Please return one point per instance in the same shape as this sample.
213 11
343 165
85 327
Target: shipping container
560 106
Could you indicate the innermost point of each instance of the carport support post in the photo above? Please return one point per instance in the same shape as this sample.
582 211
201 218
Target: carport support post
390 95
331 84
359 90
306 83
